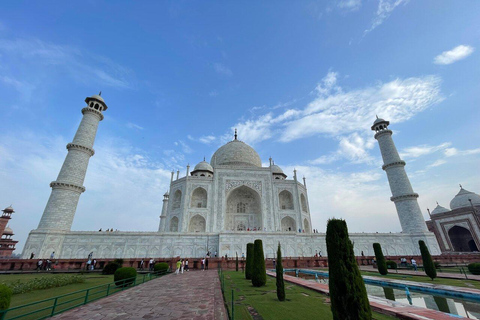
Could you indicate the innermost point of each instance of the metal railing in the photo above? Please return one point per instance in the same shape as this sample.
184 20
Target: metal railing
52 306
231 310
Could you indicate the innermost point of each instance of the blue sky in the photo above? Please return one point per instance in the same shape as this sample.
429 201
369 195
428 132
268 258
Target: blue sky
301 80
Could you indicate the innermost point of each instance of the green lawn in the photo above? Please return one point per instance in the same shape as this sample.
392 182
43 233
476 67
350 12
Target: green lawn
301 303
73 299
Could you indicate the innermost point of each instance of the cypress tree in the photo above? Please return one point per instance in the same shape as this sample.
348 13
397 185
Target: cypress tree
279 278
381 263
236 261
249 263
259 272
349 300
428 264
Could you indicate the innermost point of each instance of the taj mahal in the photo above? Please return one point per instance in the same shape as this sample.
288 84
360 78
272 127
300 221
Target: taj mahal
219 206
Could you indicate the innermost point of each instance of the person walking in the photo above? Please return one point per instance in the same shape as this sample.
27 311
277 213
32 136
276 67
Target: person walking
203 264
414 264
183 266
52 255
186 265
206 264
39 264
179 265
141 264
150 264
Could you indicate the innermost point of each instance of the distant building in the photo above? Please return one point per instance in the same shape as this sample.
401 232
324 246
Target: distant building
7 244
458 229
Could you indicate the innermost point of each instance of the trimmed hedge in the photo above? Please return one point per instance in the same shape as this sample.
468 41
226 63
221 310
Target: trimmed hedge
43 283
5 297
259 274
279 277
474 268
348 295
391 264
381 264
427 260
110 268
161 266
124 273
249 263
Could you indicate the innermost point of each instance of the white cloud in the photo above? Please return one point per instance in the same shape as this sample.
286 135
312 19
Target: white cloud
131 125
450 152
353 148
349 5
422 150
222 69
384 10
208 139
458 53
80 65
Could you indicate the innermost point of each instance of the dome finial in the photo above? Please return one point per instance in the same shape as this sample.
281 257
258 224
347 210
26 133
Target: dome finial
235 133
203 158
436 202
376 116
460 186
100 93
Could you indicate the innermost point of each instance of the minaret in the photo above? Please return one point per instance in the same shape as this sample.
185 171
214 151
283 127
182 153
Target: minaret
66 190
409 213
163 216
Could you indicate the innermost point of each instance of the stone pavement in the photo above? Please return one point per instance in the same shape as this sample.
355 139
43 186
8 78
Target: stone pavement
191 295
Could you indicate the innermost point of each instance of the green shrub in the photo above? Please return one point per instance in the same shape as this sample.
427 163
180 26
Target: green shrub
348 295
259 272
391 264
436 264
474 268
249 263
161 266
110 268
381 264
124 273
5 297
279 276
427 261
43 283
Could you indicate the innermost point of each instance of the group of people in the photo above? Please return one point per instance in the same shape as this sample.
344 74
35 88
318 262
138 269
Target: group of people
107 230
182 265
403 263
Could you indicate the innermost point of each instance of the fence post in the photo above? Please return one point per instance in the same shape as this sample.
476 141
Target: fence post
108 289
86 296
53 307
233 305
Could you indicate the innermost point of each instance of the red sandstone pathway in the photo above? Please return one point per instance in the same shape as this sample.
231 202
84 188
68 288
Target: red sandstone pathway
399 310
191 295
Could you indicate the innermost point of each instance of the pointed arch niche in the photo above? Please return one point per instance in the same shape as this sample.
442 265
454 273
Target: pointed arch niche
177 199
285 199
174 224
197 224
306 225
461 239
303 201
244 210
288 224
199 198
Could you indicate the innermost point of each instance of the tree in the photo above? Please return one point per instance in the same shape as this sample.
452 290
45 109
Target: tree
279 270
381 263
236 261
249 263
428 264
259 272
349 300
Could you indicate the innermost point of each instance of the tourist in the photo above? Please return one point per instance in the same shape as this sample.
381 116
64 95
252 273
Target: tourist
52 255
89 262
362 254
183 265
48 265
203 264
206 264
141 264
320 253
179 265
414 264
274 262
243 256
186 265
32 255
93 264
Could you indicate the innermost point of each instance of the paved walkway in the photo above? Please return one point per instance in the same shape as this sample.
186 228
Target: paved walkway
192 295
448 275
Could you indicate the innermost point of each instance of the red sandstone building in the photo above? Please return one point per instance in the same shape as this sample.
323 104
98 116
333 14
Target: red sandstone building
7 244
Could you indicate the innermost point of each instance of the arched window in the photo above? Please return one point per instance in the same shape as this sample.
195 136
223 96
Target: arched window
288 224
197 224
304 203
241 207
461 239
199 198
306 226
285 199
174 224
96 106
177 199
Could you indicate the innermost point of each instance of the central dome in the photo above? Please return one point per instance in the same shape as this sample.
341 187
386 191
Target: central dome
236 153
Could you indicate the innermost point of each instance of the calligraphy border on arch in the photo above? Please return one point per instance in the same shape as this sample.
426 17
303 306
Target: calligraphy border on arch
255 185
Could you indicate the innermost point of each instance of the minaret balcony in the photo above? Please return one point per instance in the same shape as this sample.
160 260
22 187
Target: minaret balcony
411 196
67 186
382 132
75 146
94 111
400 163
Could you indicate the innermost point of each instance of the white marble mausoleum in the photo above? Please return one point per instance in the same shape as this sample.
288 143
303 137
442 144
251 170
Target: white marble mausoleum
219 206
